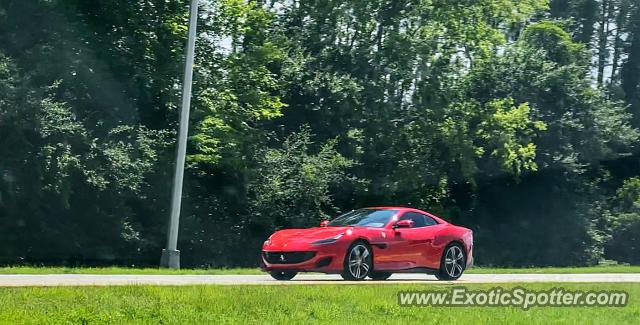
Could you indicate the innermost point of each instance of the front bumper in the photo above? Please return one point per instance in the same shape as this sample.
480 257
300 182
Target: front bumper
324 258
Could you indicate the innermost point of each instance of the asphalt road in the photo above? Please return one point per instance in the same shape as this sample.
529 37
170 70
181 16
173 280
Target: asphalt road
24 280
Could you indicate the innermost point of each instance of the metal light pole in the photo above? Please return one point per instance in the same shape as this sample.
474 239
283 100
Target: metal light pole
171 255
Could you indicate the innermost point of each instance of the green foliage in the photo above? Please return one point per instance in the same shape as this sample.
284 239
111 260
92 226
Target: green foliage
507 125
236 90
61 158
624 223
481 111
628 195
563 193
291 186
557 43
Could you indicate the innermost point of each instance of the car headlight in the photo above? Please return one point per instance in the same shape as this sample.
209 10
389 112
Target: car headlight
327 240
268 241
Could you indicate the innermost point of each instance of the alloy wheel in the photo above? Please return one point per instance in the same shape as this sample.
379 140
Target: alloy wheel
454 261
359 261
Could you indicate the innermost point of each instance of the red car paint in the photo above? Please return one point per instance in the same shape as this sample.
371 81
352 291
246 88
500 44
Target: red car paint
394 250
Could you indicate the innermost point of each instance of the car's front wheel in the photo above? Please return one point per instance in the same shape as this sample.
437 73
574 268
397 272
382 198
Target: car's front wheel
357 262
453 263
282 275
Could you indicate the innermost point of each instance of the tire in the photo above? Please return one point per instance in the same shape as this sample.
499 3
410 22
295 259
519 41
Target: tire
358 262
379 276
452 263
282 275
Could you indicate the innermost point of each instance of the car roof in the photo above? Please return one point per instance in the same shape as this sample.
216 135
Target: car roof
391 208
404 209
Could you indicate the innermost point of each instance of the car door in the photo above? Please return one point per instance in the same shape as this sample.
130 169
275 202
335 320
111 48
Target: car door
412 247
426 253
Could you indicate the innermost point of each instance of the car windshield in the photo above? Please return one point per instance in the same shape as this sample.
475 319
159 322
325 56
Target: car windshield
364 218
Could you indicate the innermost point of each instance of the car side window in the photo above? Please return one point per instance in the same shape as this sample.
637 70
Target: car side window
418 219
430 221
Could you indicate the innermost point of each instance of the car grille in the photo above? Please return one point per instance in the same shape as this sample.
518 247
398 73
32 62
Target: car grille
287 257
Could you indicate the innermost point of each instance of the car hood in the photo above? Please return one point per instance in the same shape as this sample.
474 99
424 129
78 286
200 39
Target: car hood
309 234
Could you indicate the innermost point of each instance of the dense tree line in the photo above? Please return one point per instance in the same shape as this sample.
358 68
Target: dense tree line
517 119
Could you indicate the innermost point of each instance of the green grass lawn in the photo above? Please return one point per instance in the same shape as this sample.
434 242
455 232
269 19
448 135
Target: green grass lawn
347 304
559 270
122 270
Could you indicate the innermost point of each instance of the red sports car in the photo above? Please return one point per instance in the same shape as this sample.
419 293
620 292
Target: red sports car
372 242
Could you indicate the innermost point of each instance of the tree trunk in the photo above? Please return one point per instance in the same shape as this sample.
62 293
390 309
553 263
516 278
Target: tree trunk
621 19
630 71
603 34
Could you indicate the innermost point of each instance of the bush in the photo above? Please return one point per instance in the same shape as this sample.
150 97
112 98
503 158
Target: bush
624 224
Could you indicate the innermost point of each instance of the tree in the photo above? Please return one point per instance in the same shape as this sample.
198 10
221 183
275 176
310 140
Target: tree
624 223
554 209
65 190
484 112
630 73
291 186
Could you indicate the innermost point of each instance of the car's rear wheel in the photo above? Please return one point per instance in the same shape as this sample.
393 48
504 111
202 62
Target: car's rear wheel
282 275
379 276
453 263
357 262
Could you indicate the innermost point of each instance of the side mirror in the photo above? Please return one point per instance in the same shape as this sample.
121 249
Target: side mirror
324 223
403 224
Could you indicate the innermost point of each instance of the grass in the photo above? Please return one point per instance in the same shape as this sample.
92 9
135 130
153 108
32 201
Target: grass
559 270
319 304
123 270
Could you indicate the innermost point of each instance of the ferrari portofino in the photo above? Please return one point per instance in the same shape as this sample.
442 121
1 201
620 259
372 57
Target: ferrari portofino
374 243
